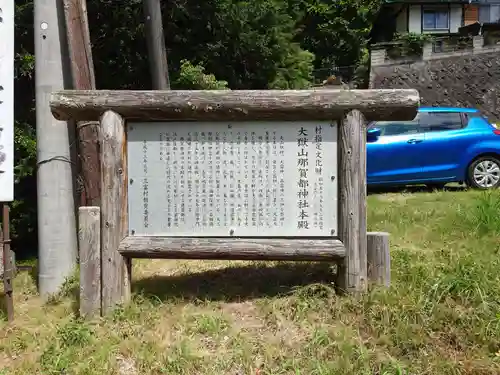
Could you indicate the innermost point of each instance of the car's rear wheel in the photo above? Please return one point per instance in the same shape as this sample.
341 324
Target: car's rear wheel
484 173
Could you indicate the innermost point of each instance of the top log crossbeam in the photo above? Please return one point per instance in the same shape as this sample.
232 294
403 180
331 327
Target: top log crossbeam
237 105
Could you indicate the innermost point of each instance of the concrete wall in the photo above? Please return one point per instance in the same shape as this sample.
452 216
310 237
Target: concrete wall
467 78
415 19
402 21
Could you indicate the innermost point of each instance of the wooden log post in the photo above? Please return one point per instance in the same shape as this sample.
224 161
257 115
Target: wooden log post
379 258
352 271
115 268
12 254
89 243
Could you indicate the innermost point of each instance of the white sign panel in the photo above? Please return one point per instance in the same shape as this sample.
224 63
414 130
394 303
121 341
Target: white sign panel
6 100
244 179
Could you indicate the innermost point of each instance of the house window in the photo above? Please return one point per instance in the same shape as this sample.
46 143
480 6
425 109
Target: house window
436 19
484 13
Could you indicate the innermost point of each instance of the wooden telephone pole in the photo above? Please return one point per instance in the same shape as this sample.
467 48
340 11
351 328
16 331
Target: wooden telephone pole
155 40
83 78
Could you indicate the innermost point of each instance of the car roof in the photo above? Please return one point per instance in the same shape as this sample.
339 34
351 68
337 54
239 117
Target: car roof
448 109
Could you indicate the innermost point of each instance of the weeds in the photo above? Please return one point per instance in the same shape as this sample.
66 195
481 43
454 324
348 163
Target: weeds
440 316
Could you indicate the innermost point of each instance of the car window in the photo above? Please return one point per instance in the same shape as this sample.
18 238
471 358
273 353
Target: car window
441 121
391 128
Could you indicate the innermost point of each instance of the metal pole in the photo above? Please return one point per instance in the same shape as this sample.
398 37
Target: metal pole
56 207
155 40
7 265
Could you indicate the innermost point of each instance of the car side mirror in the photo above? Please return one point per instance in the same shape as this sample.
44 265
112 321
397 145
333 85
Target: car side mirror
373 133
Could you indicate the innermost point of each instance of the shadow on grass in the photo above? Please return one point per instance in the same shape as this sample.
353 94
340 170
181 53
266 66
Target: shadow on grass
235 283
413 189
3 307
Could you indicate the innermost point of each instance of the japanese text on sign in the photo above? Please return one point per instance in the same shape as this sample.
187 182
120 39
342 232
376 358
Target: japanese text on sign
242 179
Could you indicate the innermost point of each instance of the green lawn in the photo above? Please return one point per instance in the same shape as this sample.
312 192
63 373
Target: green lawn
441 315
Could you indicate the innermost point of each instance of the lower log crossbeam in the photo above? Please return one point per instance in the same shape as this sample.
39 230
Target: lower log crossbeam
232 248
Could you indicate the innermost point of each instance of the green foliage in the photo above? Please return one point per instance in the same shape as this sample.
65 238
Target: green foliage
73 336
408 44
295 71
483 215
192 77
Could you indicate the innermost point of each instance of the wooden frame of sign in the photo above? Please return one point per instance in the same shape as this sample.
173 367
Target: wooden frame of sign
351 109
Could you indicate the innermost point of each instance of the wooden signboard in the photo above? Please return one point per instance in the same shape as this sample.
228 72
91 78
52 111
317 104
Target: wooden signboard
248 175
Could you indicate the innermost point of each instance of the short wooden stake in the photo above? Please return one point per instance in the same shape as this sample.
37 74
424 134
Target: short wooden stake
89 242
379 259
116 269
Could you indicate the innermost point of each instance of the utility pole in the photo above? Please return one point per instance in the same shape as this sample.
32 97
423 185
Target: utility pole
56 206
155 40
83 78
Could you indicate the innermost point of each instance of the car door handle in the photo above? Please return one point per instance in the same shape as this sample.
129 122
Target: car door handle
413 141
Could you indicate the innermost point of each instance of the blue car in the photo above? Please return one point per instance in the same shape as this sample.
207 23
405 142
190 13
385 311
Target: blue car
439 146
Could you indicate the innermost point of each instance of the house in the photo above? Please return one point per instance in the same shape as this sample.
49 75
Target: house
435 17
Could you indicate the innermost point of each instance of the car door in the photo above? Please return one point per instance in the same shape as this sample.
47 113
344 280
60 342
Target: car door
445 140
394 156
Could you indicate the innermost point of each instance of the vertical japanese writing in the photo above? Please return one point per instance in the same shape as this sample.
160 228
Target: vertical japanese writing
318 139
282 180
189 176
274 180
225 177
267 176
162 146
260 182
246 194
211 146
145 185
168 158
318 168
232 182
220 141
239 184
182 180
204 179
197 180
254 192
175 173
303 182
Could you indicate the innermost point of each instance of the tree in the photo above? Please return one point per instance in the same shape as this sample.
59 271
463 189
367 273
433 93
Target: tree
335 31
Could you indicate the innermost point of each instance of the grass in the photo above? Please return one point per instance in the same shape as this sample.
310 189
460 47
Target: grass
441 315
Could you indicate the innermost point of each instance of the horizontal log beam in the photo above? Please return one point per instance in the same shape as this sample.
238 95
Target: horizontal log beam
239 105
231 248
